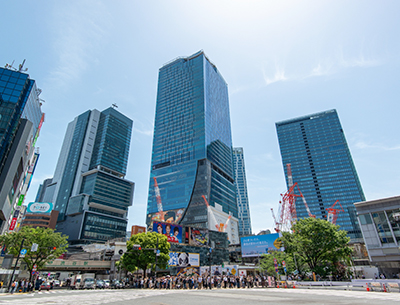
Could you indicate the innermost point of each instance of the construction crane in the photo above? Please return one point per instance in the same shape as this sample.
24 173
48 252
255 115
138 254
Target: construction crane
159 203
277 224
333 213
287 206
220 226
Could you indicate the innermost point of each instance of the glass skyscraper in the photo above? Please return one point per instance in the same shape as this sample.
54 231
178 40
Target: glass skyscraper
20 121
241 192
192 144
88 188
321 164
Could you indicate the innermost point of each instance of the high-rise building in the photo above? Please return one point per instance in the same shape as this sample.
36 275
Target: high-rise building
20 121
88 188
241 192
192 145
322 166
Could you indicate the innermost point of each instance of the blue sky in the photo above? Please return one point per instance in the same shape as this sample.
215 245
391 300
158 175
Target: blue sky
281 59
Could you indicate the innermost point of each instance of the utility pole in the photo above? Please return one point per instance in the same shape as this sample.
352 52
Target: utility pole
15 266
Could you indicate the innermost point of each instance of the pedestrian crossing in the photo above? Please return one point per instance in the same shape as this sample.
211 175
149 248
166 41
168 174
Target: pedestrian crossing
94 297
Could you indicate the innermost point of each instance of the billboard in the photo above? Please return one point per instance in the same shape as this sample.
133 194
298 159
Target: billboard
259 244
170 216
173 232
188 271
39 207
137 229
184 259
198 237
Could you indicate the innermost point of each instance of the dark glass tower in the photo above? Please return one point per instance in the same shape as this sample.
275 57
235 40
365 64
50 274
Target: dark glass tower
20 121
88 188
321 164
242 197
192 145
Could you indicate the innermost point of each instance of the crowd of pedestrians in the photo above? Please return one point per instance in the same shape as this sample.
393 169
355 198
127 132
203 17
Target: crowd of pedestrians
203 282
21 285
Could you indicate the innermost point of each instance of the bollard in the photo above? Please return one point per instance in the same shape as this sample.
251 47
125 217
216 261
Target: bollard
367 287
294 286
384 288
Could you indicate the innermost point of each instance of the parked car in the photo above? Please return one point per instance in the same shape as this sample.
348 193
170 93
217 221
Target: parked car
89 283
106 283
100 284
116 285
45 286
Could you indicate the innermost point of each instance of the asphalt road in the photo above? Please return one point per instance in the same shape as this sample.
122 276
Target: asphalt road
197 297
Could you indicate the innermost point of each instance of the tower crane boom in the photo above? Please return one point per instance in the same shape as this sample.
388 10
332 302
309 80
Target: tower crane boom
158 197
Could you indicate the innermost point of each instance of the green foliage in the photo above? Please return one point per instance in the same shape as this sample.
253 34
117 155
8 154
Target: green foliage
145 259
44 237
317 243
267 263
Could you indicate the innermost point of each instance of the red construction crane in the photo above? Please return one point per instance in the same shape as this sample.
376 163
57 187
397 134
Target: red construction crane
277 224
287 210
333 213
159 203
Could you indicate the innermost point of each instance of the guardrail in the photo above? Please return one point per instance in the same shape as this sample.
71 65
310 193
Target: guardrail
388 285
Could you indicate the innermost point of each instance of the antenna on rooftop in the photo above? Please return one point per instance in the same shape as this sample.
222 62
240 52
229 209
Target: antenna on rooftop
20 67
114 105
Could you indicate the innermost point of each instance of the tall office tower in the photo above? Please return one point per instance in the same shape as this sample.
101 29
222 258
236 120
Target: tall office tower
42 189
88 188
241 192
321 164
192 145
20 121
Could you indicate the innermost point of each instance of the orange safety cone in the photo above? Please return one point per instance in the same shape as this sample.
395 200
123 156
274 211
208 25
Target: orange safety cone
285 285
294 286
277 285
384 288
367 287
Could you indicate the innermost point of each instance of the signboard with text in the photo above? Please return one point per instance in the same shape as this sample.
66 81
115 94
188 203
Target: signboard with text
260 244
39 207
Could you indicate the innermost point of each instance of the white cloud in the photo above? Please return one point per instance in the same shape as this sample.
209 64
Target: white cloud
278 76
148 132
79 30
364 145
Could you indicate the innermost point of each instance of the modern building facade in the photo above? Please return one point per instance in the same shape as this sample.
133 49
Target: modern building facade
20 121
380 225
242 197
192 144
88 188
321 164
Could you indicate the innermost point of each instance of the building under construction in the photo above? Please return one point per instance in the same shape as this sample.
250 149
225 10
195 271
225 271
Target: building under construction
192 177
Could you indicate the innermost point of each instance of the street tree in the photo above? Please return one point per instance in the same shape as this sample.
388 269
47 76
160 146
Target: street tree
319 244
146 257
267 263
50 245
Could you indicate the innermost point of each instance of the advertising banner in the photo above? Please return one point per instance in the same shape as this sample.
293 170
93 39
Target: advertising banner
170 216
14 220
259 244
184 259
198 237
230 270
39 207
173 232
188 271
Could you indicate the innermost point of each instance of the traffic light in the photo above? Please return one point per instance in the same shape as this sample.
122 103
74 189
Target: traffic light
137 247
53 248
